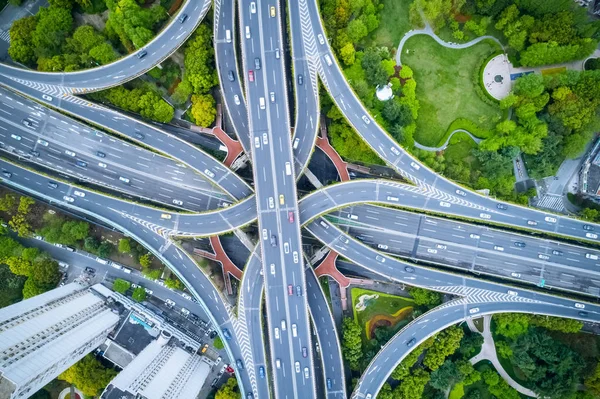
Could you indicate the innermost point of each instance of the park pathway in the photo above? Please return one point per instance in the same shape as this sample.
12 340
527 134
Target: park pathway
477 140
488 352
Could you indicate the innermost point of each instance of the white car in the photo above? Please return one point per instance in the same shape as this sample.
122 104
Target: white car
294 330
79 193
444 204
271 203
415 165
499 248
321 38
253 7
432 251
395 150
513 293
283 326
236 99
591 235
543 256
382 246
264 232
272 96
286 247
43 142
265 139
306 373
276 333
440 246
485 216
475 236
70 153
473 310
550 219
209 173
273 269
256 142
532 222
580 306
297 366
516 275
296 141
68 199
365 119
295 256
461 193
102 165
46 97
177 202
380 259
149 292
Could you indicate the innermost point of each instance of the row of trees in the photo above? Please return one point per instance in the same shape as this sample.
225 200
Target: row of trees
88 375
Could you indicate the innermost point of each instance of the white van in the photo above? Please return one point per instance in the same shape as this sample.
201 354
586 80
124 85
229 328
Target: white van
288 168
261 101
591 256
103 261
328 59
247 32
389 198
228 36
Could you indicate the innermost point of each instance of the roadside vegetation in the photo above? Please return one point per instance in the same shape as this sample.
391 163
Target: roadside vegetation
26 272
88 375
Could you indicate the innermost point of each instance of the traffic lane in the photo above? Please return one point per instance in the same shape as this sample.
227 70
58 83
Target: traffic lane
412 274
128 67
449 231
147 135
60 130
208 223
434 321
331 353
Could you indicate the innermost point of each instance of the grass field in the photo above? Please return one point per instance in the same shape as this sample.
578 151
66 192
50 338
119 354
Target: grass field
386 304
446 87
393 25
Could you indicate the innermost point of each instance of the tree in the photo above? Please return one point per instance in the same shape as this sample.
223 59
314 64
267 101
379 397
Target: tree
425 297
356 30
174 284
511 325
146 260
132 24
199 61
445 344
203 109
31 289
412 387
468 372
139 294
218 343
446 376
229 390
348 54
89 375
503 349
470 344
44 271
105 249
592 382
53 26
21 45
124 246
406 72
91 244
121 286
352 343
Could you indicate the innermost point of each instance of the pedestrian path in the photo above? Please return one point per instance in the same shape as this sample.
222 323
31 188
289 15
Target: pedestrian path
5 36
477 140
551 201
488 352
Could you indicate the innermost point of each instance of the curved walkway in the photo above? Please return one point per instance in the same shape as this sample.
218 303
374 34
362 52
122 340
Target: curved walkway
477 140
488 352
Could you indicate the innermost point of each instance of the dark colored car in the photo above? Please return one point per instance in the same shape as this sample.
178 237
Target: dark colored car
304 352
273 240
261 372
226 334
34 153
212 334
557 252
51 184
519 244
502 206
298 290
139 136
239 364
583 314
81 163
329 384
231 76
409 269
90 270
101 154
411 342
257 63
588 227
183 18
142 54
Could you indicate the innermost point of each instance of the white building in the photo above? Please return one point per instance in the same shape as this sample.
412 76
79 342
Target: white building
42 336
162 370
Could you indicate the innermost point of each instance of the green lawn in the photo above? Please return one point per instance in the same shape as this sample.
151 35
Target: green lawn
386 304
446 87
393 25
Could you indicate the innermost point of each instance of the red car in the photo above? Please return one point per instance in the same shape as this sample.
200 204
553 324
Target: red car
251 76
291 216
290 290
